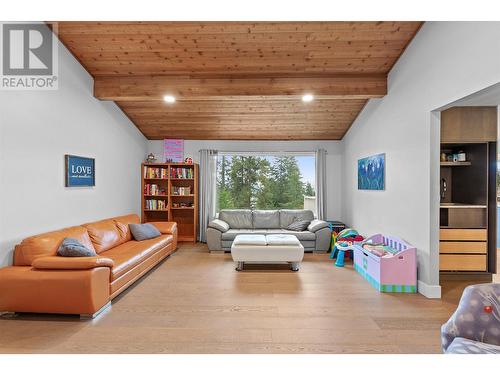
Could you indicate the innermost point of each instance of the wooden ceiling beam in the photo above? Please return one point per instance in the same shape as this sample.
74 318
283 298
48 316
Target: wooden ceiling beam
239 80
154 87
256 136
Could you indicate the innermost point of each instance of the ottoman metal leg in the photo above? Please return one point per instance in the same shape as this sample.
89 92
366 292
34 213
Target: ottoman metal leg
295 266
239 266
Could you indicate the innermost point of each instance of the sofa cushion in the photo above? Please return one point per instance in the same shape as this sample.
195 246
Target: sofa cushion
73 248
142 232
104 234
123 222
46 244
130 254
287 217
237 219
266 219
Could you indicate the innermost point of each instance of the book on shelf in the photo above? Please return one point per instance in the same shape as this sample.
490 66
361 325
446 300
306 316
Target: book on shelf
155 204
182 205
155 172
181 190
154 189
180 172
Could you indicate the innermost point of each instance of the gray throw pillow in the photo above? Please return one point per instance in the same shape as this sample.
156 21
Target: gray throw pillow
142 232
298 225
73 248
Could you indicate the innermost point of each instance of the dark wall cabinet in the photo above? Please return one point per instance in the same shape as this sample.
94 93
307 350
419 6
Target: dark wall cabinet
468 190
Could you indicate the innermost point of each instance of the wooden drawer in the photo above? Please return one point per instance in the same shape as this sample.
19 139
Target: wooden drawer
452 262
463 234
452 247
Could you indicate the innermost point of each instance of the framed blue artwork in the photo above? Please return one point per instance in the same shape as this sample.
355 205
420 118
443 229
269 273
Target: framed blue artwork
371 173
80 171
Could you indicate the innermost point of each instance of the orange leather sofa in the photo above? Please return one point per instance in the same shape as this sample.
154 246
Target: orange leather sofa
42 282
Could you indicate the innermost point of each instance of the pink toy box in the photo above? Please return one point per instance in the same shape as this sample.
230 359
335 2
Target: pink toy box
396 271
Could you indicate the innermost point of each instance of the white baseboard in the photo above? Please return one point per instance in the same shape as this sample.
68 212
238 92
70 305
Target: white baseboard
429 291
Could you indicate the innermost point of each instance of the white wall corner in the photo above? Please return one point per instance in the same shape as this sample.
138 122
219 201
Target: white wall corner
429 291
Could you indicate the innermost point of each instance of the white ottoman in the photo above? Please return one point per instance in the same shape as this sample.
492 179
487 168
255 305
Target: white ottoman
270 248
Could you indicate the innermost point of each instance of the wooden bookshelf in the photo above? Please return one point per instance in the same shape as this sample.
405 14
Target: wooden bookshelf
164 182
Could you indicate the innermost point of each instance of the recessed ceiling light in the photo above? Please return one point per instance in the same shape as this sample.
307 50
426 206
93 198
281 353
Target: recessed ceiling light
307 98
169 98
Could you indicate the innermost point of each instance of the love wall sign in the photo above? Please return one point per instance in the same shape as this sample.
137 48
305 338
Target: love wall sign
80 171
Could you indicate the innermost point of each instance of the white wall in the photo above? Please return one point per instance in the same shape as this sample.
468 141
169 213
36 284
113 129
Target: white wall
445 62
36 129
334 160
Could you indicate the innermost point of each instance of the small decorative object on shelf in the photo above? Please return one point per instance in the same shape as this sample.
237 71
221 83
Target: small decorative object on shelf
151 158
461 156
453 156
188 161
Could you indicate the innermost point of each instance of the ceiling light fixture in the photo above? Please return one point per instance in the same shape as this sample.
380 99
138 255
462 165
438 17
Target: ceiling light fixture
169 98
307 98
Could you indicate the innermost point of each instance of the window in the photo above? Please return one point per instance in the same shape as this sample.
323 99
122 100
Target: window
271 181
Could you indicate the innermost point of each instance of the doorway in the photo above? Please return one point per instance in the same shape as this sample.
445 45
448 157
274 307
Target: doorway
468 186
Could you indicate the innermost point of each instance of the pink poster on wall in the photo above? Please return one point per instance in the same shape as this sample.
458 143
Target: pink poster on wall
173 150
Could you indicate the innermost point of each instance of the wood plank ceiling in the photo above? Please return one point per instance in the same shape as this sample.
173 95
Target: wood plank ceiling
239 80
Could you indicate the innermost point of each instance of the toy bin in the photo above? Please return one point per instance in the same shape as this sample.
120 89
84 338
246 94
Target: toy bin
396 271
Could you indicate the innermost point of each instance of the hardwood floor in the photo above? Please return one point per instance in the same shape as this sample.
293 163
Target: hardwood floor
195 302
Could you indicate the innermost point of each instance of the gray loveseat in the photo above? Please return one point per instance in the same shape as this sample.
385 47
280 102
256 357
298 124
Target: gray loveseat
222 231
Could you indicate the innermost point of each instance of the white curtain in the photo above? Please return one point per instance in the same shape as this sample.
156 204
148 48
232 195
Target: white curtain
320 184
208 178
